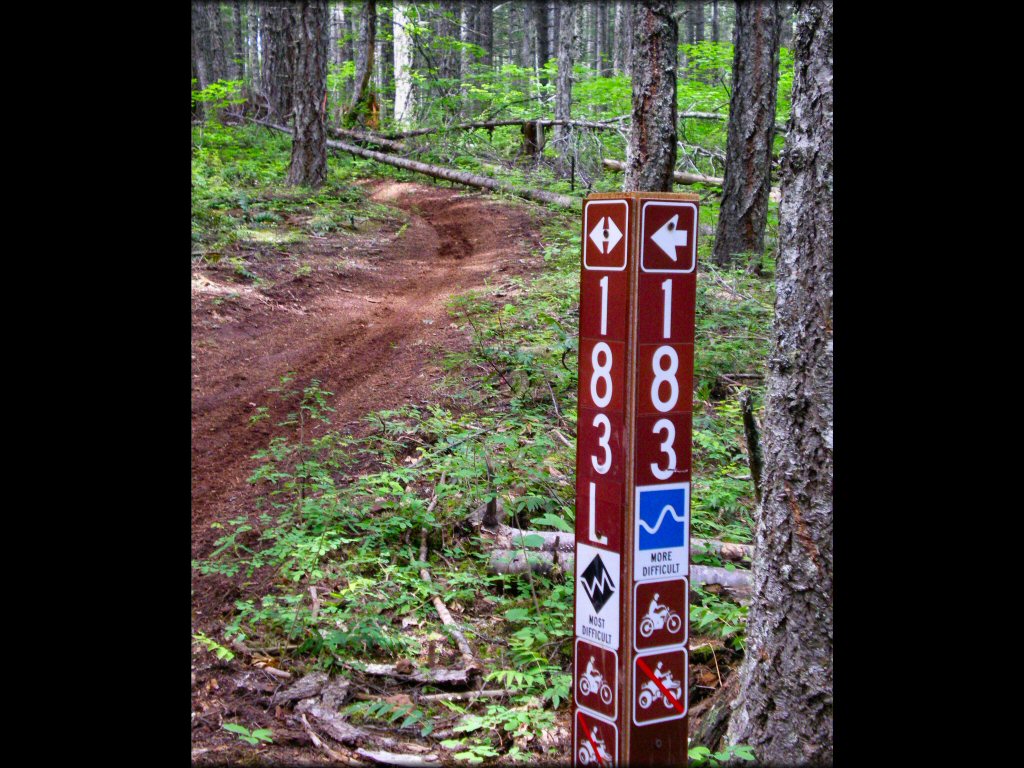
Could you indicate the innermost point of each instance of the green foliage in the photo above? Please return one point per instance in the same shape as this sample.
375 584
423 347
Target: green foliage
712 616
219 94
250 737
702 756
222 653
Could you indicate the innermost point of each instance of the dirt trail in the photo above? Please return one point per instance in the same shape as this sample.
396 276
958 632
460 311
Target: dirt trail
372 331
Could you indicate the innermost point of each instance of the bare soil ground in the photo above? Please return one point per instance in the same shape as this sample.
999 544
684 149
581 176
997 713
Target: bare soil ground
365 314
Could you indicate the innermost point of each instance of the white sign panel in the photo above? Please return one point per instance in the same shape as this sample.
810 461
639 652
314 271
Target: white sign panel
597 595
661 532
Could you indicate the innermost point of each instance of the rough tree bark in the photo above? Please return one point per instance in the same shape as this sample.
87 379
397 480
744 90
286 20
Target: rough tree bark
485 30
651 152
362 96
563 86
279 59
309 141
748 159
403 65
540 16
784 709
715 30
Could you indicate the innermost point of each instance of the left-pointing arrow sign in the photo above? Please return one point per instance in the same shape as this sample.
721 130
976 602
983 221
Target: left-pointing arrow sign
606 234
669 236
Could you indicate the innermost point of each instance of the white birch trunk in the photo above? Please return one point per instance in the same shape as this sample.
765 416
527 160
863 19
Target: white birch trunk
403 65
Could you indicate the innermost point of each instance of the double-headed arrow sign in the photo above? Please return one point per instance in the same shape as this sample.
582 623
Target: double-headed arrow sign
606 235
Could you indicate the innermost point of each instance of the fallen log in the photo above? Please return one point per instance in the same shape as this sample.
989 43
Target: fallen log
435 676
365 137
511 561
394 758
682 178
436 171
566 542
605 125
690 178
490 124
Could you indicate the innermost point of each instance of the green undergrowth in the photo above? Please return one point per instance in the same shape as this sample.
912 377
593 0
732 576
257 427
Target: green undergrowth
344 513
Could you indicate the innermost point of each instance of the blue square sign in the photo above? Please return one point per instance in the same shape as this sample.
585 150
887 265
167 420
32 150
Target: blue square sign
661 534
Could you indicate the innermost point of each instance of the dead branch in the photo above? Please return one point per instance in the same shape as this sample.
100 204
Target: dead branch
318 742
468 659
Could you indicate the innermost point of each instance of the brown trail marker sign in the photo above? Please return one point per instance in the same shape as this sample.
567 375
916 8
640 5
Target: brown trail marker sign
630 659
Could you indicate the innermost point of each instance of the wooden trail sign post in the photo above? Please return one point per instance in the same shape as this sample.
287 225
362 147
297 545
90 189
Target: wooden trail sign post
630 657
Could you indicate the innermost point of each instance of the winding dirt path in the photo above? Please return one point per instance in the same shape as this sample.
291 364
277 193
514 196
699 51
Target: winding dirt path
371 325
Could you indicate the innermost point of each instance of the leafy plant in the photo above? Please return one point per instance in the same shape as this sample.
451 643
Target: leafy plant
253 738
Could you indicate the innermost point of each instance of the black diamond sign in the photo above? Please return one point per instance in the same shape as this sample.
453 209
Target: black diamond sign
598 583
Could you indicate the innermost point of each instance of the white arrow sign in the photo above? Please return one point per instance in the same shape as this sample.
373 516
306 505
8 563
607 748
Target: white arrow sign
670 236
606 235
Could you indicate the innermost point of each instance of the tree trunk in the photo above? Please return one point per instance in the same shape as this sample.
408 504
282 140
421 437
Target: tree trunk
715 30
215 31
600 35
237 67
309 141
698 21
279 62
619 42
485 31
403 65
385 75
200 60
748 159
253 65
540 16
563 86
448 31
651 153
784 710
362 96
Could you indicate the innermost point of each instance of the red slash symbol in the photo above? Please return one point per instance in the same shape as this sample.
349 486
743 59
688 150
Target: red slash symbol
668 696
586 732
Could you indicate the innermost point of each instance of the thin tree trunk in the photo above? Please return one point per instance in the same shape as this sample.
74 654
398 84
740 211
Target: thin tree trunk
541 33
485 31
784 708
238 58
651 153
279 64
215 30
403 65
255 73
309 141
362 96
619 42
715 31
748 159
698 21
563 88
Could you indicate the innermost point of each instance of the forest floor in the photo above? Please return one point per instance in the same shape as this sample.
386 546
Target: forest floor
365 314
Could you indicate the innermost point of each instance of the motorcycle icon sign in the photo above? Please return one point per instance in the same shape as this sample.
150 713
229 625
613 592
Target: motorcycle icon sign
593 682
663 618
